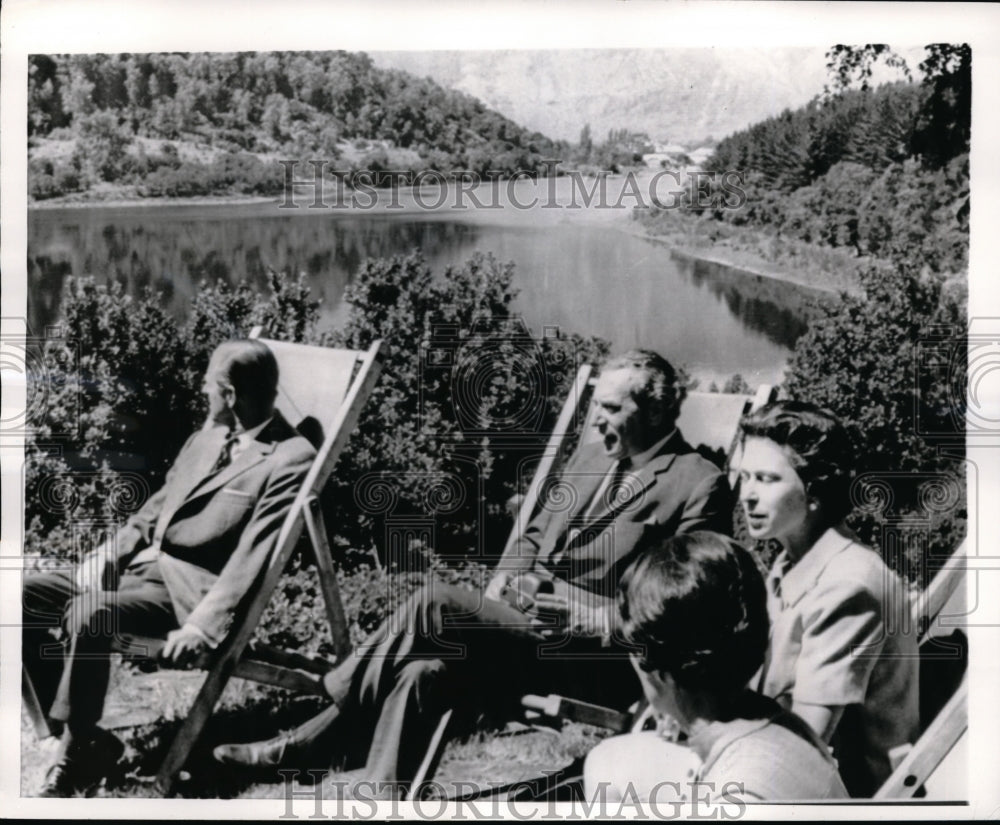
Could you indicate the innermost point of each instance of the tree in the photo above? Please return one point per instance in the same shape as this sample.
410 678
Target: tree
102 144
944 121
944 124
586 144
866 357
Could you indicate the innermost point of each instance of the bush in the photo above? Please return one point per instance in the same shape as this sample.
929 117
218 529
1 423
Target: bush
877 359
466 396
234 172
187 180
49 180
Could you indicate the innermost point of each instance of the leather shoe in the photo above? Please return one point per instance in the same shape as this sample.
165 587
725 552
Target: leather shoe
79 771
270 753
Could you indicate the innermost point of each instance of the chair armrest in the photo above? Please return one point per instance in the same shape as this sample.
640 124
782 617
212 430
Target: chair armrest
559 707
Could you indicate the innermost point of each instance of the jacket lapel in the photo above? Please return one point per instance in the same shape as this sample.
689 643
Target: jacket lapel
587 482
205 452
190 470
635 483
254 453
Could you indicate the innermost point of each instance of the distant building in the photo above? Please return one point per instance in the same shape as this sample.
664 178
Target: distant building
700 155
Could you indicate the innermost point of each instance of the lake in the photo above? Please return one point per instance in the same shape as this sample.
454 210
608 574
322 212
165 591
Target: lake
577 272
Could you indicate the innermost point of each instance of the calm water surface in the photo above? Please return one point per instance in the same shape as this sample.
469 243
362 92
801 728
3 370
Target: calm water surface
579 274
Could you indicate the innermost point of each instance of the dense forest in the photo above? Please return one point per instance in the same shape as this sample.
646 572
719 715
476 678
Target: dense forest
881 173
193 124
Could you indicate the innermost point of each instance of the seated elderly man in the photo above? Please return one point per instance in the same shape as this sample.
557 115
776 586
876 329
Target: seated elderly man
449 647
185 561
694 608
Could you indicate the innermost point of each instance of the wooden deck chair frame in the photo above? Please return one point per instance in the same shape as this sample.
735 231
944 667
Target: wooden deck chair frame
575 409
237 656
915 765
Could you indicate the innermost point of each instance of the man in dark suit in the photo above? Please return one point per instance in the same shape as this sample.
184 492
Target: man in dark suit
475 650
182 563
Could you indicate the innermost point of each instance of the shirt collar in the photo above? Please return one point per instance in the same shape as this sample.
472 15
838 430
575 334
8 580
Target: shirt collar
790 582
713 738
637 462
244 437
753 712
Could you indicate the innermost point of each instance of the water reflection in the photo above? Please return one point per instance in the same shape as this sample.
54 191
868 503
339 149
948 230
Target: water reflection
590 279
777 309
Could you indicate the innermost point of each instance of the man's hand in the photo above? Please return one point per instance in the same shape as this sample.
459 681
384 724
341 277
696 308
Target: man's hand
494 590
184 646
576 616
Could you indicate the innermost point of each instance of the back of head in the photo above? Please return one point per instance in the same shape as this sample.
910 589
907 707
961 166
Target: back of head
250 368
695 603
655 387
818 446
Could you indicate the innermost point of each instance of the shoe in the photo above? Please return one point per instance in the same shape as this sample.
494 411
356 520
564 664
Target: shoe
271 753
83 768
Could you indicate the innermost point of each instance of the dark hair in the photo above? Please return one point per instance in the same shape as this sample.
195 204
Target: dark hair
250 368
656 388
695 604
818 447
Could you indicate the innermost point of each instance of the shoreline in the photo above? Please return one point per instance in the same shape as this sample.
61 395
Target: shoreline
771 272
730 259
53 204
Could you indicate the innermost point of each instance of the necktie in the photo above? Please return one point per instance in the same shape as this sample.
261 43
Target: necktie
602 500
617 489
226 453
606 494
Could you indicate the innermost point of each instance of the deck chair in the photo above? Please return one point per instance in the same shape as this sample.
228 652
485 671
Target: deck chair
708 421
924 767
321 392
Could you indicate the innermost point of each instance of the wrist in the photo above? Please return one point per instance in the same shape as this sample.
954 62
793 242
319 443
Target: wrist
194 630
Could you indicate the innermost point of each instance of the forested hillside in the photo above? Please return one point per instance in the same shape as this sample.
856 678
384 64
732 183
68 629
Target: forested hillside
878 173
189 124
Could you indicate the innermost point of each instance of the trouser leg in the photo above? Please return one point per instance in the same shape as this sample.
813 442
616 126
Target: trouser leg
44 597
406 723
392 691
92 620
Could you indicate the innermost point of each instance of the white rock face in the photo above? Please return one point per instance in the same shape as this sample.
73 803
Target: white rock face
676 95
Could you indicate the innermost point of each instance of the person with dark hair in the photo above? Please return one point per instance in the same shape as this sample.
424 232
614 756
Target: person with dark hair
693 608
843 655
543 622
182 563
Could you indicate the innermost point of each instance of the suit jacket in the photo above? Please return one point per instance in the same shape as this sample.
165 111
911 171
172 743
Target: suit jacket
590 546
212 533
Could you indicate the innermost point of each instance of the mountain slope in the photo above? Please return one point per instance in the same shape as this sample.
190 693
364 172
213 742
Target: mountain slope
681 95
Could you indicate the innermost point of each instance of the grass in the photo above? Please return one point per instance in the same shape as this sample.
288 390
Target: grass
757 250
145 710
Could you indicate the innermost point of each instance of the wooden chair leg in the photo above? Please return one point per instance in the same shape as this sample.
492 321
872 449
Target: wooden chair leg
34 708
187 736
316 527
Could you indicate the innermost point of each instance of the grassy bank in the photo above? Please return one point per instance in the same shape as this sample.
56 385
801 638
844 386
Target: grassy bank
753 249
